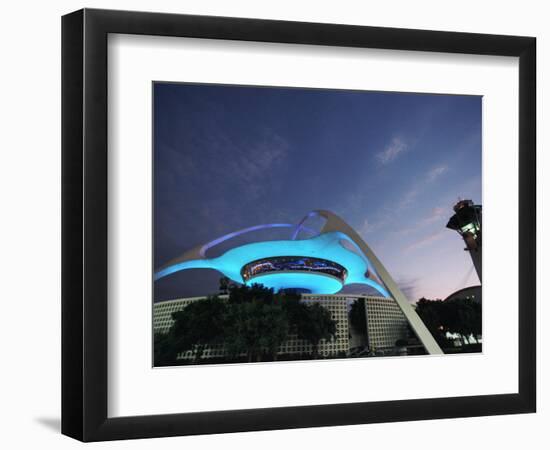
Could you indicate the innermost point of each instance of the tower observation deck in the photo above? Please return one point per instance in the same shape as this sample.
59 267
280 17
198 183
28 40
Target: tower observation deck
467 222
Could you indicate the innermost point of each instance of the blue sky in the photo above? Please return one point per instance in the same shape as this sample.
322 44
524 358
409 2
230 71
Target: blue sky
390 164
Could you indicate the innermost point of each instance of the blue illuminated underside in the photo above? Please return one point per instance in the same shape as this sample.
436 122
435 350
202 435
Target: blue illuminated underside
313 282
326 246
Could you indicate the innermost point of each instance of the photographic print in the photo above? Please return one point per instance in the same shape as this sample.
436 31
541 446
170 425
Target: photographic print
306 224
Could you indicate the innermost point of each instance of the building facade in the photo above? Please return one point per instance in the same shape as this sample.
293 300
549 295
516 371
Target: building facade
467 293
385 325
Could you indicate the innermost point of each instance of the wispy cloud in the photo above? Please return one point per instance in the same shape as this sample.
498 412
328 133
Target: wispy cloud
366 227
418 187
436 215
382 219
391 215
250 166
395 148
426 240
408 197
409 287
263 155
436 172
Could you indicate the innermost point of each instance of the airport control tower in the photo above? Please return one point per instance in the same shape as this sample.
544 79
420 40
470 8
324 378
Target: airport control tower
467 222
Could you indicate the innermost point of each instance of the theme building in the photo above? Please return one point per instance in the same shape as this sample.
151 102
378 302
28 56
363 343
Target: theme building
318 262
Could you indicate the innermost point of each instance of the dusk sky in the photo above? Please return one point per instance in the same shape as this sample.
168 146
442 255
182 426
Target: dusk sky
392 165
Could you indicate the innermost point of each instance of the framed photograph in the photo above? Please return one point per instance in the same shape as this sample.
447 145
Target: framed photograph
272 224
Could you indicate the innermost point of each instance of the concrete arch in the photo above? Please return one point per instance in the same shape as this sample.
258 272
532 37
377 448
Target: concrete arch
335 223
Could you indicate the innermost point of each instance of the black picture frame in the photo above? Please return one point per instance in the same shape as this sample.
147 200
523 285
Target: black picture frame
84 224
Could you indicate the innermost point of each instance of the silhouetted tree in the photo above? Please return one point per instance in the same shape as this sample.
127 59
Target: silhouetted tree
253 320
163 349
461 316
464 317
256 321
253 327
358 316
431 311
225 283
199 325
247 294
317 324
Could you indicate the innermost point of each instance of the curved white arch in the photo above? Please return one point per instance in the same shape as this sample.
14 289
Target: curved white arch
335 223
